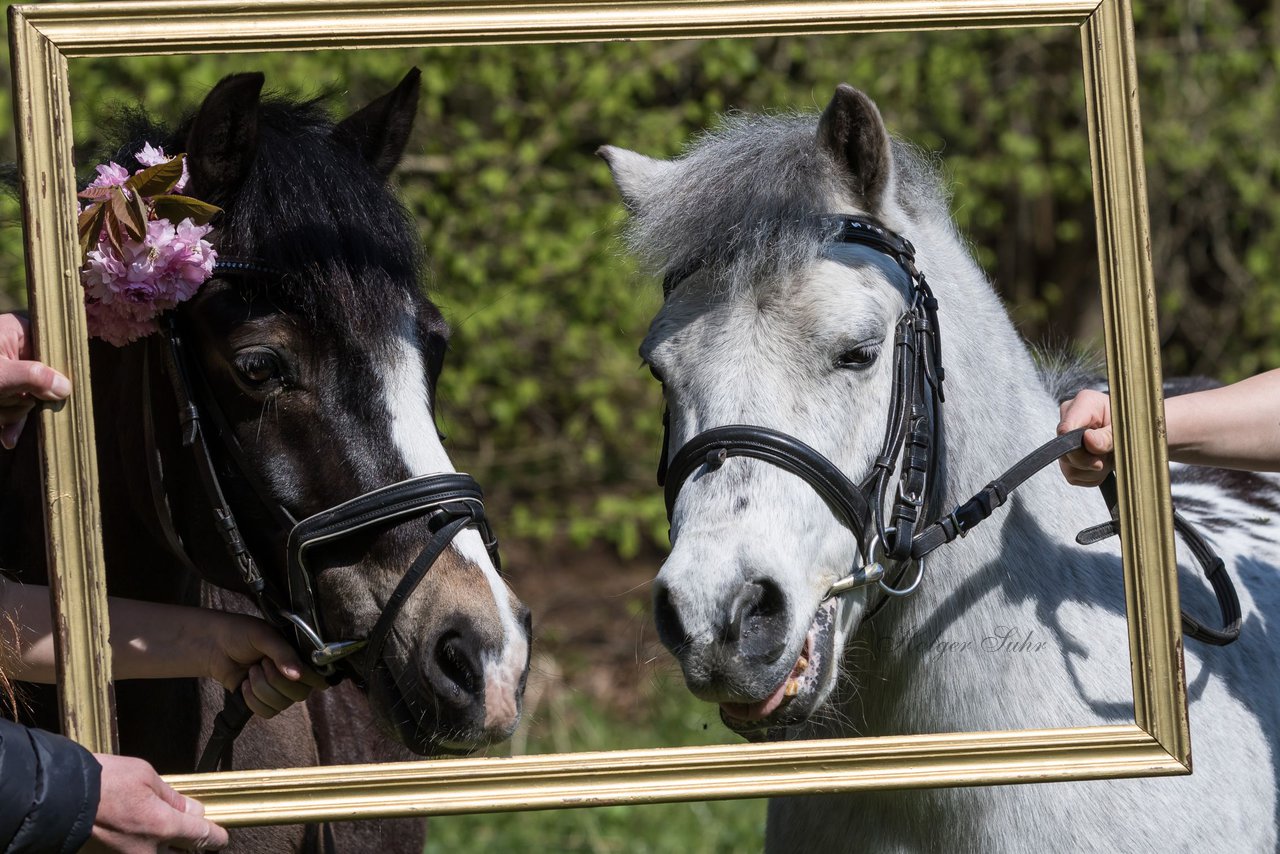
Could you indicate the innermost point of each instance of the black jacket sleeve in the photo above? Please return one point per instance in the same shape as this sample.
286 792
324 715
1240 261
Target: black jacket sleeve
48 791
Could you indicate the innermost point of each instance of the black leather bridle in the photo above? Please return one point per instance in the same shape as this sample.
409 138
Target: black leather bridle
451 502
904 529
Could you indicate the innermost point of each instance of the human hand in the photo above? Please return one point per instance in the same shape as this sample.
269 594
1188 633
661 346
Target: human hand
22 382
1091 464
250 656
138 812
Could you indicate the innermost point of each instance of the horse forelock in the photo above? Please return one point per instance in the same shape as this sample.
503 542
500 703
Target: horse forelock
742 202
314 209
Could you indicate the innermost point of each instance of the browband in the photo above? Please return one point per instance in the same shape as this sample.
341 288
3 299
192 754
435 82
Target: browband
842 228
238 267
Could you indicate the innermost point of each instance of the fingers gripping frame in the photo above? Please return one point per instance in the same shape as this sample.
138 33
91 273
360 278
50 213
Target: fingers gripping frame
43 37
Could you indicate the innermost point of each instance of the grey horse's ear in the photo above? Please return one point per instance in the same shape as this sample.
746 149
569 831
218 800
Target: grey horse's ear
637 177
379 131
853 132
224 137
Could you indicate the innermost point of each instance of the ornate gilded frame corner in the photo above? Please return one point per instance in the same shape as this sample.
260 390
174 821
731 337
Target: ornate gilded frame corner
45 36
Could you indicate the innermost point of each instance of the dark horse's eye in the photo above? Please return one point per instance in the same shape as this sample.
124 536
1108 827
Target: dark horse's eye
857 357
258 366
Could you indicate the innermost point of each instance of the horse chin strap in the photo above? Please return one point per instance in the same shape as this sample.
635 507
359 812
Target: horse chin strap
903 529
451 502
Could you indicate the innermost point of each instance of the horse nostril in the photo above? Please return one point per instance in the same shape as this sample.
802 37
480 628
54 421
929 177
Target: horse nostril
458 665
667 619
757 621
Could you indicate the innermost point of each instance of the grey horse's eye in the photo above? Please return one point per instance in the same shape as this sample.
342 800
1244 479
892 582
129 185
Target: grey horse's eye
858 358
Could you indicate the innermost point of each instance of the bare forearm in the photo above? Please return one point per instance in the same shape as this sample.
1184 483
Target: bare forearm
148 640
1236 426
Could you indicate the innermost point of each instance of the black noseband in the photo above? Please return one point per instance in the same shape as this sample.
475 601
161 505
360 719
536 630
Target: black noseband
712 447
452 501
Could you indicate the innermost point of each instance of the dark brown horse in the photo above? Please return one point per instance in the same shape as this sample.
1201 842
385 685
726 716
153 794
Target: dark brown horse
325 374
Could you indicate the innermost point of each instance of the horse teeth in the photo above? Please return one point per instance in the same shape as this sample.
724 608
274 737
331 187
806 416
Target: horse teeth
802 665
793 688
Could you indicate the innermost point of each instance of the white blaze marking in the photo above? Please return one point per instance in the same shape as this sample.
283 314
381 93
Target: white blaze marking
414 434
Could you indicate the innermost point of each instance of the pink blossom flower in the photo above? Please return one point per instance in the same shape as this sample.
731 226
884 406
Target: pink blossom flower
115 326
102 268
151 155
127 288
110 175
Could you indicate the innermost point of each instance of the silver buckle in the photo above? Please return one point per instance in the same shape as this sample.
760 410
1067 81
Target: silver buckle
325 654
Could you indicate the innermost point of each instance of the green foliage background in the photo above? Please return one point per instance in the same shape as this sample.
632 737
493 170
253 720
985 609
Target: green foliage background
544 398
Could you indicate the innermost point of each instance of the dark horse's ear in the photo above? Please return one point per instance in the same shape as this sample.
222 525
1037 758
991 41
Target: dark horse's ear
852 131
224 137
380 131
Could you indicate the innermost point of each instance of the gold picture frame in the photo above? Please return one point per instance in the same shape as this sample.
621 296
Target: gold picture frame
43 37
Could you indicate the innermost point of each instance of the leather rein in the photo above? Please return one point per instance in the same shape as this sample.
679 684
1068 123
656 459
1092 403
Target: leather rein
903 529
451 502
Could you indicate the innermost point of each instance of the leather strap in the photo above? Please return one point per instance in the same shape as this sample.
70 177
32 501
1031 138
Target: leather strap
868 232
227 726
965 516
1215 571
156 468
454 492
713 447
460 513
412 578
193 437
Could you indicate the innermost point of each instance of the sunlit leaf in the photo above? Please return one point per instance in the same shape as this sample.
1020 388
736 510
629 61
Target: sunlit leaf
111 224
139 210
158 179
128 216
177 208
95 193
91 226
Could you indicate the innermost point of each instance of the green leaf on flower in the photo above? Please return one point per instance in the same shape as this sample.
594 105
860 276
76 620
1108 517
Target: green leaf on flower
95 193
158 179
177 208
128 215
91 226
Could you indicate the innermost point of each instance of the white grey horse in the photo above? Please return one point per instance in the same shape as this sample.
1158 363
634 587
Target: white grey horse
1014 626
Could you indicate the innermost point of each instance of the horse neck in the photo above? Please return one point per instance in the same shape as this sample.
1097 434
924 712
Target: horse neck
997 408
996 411
135 487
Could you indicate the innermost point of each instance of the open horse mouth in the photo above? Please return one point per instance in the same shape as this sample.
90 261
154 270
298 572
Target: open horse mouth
800 692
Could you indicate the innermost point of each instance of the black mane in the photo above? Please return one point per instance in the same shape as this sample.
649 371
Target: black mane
310 207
